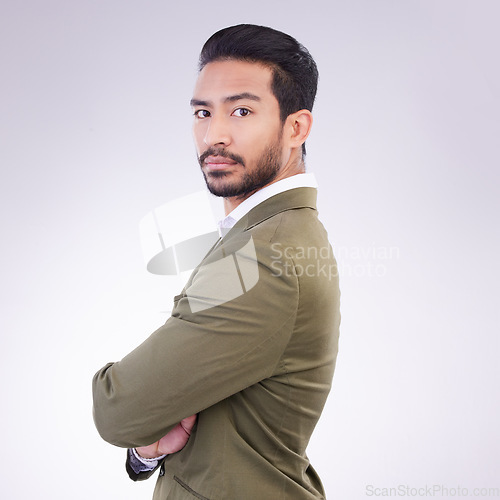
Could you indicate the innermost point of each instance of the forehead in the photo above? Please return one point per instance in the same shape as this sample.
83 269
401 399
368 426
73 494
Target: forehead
220 79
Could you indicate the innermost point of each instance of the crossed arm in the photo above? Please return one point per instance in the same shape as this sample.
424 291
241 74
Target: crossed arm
184 367
203 354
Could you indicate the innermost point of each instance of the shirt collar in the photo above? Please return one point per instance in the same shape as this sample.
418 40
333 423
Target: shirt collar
295 181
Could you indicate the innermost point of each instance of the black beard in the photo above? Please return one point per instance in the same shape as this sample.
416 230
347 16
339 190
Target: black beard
267 169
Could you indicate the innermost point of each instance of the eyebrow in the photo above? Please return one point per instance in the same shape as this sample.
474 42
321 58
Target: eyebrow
231 98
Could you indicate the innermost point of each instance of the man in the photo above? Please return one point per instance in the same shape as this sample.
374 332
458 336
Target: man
224 397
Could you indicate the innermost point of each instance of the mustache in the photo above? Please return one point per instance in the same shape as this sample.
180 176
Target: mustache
220 152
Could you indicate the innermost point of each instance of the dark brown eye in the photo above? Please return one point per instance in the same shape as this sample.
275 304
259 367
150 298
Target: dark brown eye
202 113
241 112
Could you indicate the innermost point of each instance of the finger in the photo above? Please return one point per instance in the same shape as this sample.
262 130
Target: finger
188 423
150 451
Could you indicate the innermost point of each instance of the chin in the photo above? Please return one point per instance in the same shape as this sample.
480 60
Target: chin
224 189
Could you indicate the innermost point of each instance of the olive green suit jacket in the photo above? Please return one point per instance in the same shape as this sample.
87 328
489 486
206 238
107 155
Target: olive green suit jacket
251 347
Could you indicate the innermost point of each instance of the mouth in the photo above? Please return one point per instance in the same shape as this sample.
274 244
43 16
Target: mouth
218 163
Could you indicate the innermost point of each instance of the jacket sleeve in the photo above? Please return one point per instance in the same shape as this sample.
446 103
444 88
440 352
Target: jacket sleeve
227 331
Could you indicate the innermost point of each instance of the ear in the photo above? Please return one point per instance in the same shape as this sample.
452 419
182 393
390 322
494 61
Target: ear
298 125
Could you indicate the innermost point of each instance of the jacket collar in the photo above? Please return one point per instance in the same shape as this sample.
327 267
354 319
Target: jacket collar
302 197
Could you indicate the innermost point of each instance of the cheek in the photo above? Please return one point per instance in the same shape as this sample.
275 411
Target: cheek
251 139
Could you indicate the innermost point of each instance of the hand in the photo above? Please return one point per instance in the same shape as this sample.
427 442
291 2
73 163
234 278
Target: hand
172 442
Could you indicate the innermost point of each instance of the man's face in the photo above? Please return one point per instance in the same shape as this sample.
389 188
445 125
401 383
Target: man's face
237 127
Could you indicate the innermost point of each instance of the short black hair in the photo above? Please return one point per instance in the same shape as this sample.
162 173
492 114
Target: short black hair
295 74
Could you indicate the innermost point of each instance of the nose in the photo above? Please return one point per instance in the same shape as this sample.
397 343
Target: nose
217 132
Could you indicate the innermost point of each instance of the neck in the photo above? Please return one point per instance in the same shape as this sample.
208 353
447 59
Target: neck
289 170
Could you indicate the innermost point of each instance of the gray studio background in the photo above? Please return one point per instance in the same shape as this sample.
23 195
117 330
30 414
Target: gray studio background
95 133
